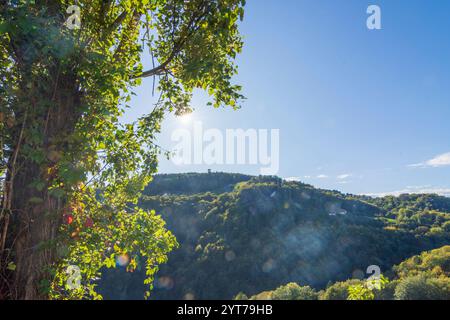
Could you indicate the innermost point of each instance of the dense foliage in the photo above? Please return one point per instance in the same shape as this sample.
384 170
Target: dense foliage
253 234
421 277
70 171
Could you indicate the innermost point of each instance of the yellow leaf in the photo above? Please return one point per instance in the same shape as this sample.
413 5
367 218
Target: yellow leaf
11 266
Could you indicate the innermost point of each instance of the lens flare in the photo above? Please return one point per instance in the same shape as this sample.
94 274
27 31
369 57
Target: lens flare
122 260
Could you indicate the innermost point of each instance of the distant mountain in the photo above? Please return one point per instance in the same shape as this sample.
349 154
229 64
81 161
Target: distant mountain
239 233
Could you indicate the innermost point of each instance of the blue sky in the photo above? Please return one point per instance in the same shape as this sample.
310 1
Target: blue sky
361 111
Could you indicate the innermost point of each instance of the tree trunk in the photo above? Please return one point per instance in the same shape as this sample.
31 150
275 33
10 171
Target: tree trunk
34 216
31 229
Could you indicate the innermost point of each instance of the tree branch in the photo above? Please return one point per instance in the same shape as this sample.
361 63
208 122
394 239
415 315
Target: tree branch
191 29
126 33
115 24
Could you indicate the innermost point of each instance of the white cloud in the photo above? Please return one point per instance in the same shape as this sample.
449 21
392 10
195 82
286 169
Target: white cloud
438 161
343 178
414 190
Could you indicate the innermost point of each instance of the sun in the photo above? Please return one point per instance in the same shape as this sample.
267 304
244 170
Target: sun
186 118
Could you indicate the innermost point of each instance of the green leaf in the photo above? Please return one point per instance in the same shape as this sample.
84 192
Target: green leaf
11 266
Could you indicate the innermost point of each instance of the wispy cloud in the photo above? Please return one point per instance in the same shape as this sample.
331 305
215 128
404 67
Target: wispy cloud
414 190
342 178
441 160
293 179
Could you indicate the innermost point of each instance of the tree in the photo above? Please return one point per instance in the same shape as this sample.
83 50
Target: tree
293 291
368 289
71 171
423 287
240 296
339 290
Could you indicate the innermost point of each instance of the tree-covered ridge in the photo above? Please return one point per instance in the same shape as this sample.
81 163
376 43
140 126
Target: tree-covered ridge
421 214
263 232
395 205
421 277
192 183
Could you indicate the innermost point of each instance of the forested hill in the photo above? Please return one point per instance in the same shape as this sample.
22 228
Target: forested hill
239 233
191 183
